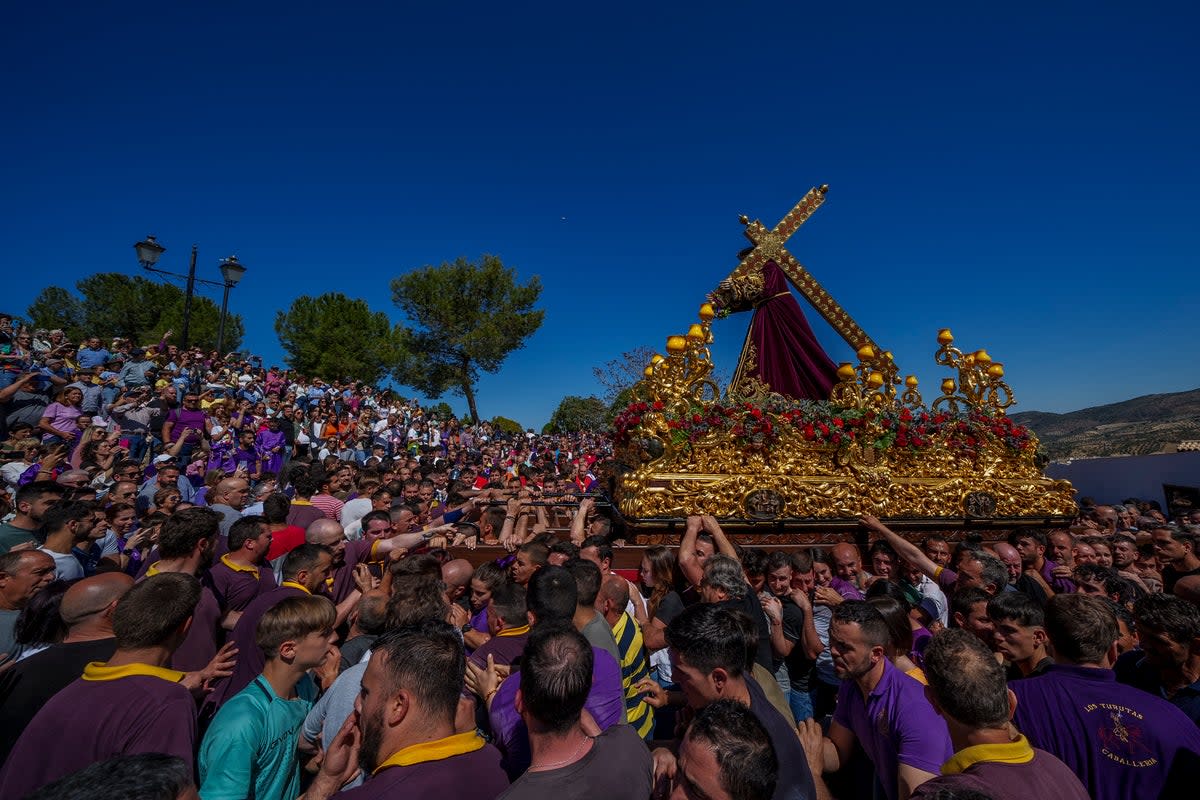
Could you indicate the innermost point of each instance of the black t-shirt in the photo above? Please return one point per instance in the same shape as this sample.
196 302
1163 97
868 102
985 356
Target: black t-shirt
288 430
670 607
618 766
752 608
800 667
26 687
1031 589
1170 576
159 409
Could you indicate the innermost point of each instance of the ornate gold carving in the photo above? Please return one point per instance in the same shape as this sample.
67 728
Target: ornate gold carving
967 463
980 385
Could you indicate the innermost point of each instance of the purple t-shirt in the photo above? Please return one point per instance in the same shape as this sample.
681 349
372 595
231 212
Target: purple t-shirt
1120 741
250 659
895 725
606 704
62 418
204 637
467 776
1059 585
93 720
845 588
235 588
182 418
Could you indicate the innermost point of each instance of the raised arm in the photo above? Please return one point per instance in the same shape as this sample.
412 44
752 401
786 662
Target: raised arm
688 564
579 521
724 546
904 548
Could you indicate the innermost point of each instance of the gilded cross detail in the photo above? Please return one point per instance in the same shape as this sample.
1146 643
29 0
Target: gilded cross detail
770 245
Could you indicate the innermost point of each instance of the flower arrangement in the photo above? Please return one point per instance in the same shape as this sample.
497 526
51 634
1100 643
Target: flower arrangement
759 426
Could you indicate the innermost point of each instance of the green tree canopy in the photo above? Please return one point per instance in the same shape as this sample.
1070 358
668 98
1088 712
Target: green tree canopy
579 414
113 304
465 318
440 411
334 337
56 307
506 425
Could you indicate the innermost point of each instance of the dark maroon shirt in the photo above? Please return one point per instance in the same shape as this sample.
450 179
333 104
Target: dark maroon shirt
236 587
470 776
250 659
93 720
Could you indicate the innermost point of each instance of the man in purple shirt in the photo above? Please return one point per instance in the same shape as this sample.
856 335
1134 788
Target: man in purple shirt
1120 741
241 574
304 572
880 707
131 704
967 689
1031 544
551 600
185 545
508 625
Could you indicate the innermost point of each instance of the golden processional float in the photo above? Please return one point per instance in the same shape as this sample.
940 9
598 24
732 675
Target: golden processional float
797 448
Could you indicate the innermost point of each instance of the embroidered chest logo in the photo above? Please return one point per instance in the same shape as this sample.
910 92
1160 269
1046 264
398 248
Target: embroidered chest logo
881 722
1120 734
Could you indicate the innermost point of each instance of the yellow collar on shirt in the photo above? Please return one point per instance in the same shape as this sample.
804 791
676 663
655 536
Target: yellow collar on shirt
1018 752
438 749
295 585
236 567
514 631
99 671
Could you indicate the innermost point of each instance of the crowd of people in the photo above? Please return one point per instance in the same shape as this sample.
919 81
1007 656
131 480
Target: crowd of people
231 581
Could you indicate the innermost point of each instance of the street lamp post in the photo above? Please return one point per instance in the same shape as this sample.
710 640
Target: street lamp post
148 253
232 271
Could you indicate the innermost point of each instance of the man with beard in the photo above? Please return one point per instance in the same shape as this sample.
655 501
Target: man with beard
402 733
185 544
32 501
880 707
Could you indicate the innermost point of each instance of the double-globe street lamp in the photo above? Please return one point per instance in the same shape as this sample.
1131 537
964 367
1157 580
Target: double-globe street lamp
148 253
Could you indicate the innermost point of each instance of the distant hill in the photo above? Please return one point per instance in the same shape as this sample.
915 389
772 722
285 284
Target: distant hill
1149 424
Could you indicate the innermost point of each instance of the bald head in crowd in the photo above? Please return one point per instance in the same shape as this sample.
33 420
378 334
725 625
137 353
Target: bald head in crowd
1011 558
328 533
90 602
456 574
231 492
847 562
1189 589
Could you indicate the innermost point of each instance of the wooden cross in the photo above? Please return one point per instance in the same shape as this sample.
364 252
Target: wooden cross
769 245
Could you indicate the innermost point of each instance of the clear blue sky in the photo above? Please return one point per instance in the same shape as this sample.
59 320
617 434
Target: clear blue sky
1024 174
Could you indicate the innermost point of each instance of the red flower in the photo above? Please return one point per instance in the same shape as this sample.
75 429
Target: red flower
809 433
756 413
837 421
696 418
658 405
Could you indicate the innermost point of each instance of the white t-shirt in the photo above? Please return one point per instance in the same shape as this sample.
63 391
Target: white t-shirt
67 567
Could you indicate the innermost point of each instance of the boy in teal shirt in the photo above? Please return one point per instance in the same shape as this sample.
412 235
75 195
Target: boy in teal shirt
250 748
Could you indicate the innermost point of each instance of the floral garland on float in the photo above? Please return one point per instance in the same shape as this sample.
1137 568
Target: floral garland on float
749 455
